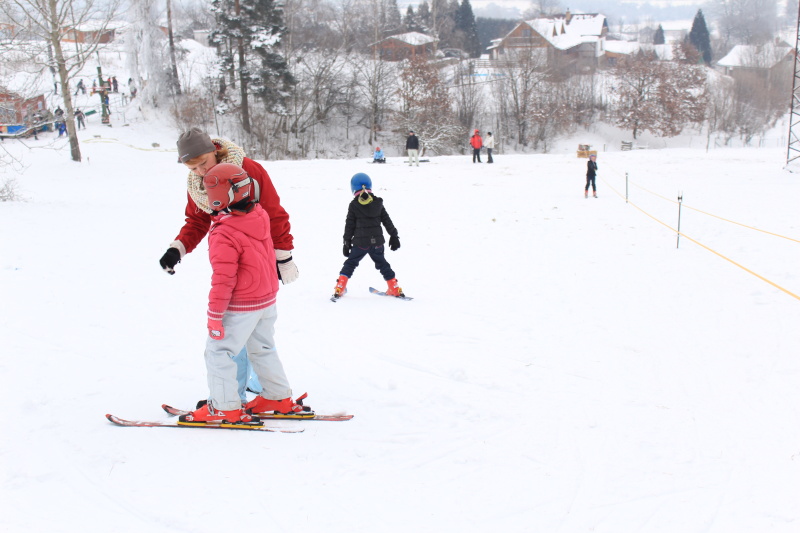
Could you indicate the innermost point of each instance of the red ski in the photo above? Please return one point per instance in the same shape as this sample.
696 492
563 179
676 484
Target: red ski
155 424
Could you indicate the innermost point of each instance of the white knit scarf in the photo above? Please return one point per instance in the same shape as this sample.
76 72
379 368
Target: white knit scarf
194 182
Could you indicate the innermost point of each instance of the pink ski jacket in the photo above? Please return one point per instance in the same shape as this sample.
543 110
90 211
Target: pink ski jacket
244 276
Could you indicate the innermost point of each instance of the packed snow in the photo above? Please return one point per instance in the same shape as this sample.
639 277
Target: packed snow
567 364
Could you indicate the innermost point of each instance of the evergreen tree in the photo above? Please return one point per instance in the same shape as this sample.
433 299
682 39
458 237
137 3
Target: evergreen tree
443 13
253 29
424 17
658 38
468 30
394 21
410 20
700 38
489 29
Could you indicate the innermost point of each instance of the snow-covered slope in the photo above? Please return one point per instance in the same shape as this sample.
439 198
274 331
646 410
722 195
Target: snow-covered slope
563 366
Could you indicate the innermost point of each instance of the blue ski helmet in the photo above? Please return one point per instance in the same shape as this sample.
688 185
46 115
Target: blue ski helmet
360 181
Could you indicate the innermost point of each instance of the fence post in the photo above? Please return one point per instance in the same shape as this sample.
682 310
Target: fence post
680 203
626 187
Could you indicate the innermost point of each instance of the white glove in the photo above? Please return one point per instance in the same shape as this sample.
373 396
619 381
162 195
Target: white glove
287 270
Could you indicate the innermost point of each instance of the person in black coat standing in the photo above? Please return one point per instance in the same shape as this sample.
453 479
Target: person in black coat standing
363 236
591 173
412 147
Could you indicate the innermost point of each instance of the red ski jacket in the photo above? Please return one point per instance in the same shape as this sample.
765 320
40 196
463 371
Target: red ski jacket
244 276
476 141
198 221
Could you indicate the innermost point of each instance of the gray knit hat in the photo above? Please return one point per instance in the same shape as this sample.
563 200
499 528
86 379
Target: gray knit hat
193 143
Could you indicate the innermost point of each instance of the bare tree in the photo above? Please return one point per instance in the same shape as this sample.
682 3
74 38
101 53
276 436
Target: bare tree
721 110
376 85
542 8
635 90
746 21
524 71
53 20
175 81
659 96
468 94
426 107
147 48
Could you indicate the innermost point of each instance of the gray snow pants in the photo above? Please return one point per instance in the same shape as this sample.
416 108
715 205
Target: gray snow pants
255 331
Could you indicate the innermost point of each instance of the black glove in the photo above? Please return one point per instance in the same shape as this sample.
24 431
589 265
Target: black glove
170 259
394 243
346 249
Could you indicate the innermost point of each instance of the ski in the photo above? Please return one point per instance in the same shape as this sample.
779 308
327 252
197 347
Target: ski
156 424
174 411
382 293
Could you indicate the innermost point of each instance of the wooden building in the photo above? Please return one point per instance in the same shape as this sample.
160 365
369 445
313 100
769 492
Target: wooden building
404 45
14 108
568 41
90 32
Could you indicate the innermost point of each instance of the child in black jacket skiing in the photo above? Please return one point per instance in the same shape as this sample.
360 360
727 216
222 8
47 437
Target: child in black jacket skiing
363 236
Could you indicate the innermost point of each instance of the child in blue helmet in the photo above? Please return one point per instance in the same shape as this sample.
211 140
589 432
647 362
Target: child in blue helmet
363 235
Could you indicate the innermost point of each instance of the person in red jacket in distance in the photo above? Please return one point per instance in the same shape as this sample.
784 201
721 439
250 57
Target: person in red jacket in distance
477 143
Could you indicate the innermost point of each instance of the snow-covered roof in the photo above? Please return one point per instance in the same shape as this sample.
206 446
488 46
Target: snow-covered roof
622 47
97 25
414 38
582 28
494 43
750 56
662 51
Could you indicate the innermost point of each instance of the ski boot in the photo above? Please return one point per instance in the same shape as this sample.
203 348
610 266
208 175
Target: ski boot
286 408
341 287
393 289
207 415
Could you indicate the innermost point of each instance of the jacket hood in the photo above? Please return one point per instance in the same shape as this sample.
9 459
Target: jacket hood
254 224
372 209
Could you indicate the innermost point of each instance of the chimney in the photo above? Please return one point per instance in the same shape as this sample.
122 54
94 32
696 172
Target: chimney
568 16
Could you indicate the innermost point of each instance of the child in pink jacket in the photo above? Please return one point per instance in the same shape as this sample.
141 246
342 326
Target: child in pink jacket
241 304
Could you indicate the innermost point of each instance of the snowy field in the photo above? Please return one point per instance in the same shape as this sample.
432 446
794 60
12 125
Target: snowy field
564 366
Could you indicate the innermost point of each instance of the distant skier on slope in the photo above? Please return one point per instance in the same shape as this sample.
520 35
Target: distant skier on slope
591 174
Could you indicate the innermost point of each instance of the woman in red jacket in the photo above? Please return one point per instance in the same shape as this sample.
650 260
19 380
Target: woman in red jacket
200 153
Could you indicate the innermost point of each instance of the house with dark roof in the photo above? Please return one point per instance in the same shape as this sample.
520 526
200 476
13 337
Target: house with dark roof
404 45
